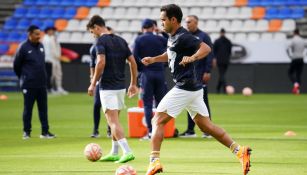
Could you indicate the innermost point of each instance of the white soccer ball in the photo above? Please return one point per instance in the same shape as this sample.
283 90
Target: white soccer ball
247 91
125 170
93 152
230 90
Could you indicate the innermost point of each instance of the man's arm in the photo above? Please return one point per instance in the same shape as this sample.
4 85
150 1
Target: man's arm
160 58
133 75
201 53
99 68
18 62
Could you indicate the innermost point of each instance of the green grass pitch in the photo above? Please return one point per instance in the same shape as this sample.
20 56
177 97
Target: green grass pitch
259 121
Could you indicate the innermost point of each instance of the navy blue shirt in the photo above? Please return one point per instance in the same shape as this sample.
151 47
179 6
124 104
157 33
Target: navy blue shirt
181 44
116 52
29 65
206 63
149 45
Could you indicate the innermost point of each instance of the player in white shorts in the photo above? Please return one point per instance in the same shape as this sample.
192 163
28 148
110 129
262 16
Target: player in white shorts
183 53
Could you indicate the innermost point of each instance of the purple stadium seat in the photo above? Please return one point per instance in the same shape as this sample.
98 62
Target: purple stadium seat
20 12
4 48
57 13
45 12
29 2
9 24
13 37
70 13
32 12
23 24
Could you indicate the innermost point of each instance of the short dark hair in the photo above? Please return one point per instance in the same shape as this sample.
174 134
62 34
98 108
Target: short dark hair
172 10
109 28
95 20
296 31
31 28
223 30
194 16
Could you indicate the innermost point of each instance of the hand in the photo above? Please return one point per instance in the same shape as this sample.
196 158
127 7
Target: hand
206 77
147 61
91 89
187 59
132 91
214 63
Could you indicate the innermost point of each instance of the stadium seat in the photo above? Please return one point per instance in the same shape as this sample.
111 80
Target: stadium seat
29 2
116 3
82 25
214 36
82 13
144 12
48 23
60 24
262 26
275 25
23 24
12 48
225 24
122 26
194 11
94 11
279 36
240 3
254 3
245 13
10 23
258 13
69 13
75 37
91 3
41 2
3 36
119 13
3 48
233 13
271 13
66 2
79 3
284 13
107 13
87 38
288 25
155 13
57 12
64 37
103 3
219 13
253 36
37 22
266 3
135 26
301 2
112 24
266 36
249 26
32 12
73 25
13 37
240 37
297 13
278 2
54 2
211 26
45 12
236 26
20 12
131 13
23 36
127 37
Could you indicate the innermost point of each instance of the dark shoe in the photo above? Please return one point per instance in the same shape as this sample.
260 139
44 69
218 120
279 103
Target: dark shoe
26 135
109 135
95 134
187 134
47 135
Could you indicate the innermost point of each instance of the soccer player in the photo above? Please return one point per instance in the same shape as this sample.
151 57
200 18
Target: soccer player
112 53
29 66
97 103
152 77
205 66
183 53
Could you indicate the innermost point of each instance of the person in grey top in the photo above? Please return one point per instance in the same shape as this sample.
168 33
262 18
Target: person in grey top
296 53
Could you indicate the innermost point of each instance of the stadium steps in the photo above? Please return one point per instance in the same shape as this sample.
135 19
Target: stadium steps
7 8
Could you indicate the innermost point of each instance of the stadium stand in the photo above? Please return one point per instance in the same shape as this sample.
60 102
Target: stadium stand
243 19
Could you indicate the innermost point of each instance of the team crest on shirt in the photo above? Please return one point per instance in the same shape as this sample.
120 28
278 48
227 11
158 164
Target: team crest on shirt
41 49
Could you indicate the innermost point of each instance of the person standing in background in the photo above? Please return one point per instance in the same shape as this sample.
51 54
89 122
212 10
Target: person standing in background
222 52
97 103
296 53
205 66
53 52
152 77
29 66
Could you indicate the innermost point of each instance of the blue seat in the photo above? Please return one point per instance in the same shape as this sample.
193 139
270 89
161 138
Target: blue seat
48 23
29 2
80 3
4 48
67 2
41 2
13 37
3 36
279 2
38 23
20 12
57 13
297 13
54 2
284 13
271 13
253 3
23 37
302 2
70 13
266 3
23 24
91 3
32 12
45 12
292 2
10 23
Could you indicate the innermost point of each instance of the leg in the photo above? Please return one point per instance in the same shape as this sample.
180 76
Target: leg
43 109
299 70
49 74
147 85
29 99
96 112
206 100
291 71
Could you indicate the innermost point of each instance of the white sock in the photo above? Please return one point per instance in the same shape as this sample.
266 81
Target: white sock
115 147
124 145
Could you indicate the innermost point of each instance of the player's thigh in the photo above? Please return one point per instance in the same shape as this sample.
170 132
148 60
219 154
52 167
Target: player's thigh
112 99
198 106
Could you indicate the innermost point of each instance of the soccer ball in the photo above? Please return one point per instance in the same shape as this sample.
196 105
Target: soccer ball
230 90
93 152
125 170
247 91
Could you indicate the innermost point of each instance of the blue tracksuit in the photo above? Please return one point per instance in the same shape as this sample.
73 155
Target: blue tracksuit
29 66
152 76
